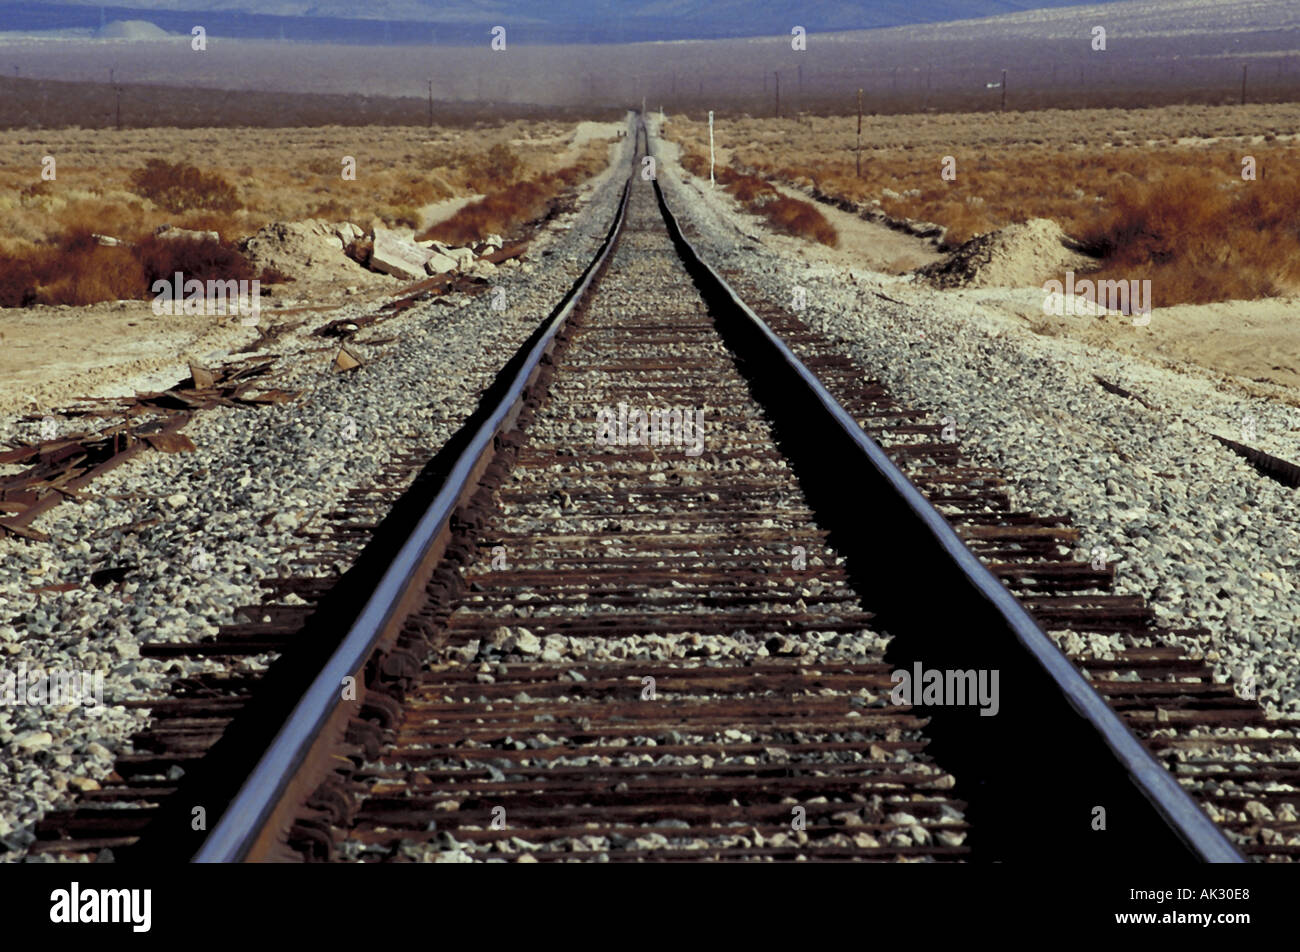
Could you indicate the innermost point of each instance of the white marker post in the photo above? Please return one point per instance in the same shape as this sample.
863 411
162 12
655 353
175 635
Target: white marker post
711 184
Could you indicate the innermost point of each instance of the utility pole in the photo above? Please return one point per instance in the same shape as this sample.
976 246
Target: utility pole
777 74
1004 90
430 103
801 85
711 181
118 90
859 133
1243 84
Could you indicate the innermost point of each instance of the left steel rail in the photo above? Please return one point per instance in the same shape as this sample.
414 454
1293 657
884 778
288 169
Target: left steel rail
262 809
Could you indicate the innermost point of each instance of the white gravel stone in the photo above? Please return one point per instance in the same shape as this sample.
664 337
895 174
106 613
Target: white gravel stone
1209 541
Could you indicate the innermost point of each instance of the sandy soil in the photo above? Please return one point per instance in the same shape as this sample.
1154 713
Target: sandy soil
1253 346
51 356
870 244
1256 343
862 243
1256 340
437 212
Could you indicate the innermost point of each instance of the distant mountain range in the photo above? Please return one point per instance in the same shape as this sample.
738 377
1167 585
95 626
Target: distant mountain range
540 21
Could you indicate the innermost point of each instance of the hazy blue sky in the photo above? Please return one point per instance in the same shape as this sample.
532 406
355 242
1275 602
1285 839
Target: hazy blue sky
545 21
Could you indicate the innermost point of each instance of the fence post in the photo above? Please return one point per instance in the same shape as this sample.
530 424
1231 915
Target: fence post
711 181
859 133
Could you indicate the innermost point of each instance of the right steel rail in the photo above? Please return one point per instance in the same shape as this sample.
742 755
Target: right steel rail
1094 768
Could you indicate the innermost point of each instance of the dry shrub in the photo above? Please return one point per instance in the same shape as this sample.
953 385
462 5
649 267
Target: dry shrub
76 271
129 198
17 281
507 209
88 275
572 175
203 259
695 163
224 224
179 187
750 188
791 216
501 212
963 220
1199 241
801 219
1178 215
119 219
36 190
415 192
494 169
330 210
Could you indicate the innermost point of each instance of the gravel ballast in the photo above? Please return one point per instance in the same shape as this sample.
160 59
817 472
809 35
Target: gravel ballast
190 525
1193 527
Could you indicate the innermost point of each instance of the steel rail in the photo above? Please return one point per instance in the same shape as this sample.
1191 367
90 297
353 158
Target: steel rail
231 837
1155 782
266 785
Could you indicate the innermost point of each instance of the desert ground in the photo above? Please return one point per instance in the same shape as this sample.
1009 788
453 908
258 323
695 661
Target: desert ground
1151 193
85 337
1230 312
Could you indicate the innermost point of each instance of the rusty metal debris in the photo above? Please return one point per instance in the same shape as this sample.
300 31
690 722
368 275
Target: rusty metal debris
1121 392
346 360
436 287
440 284
58 469
1274 467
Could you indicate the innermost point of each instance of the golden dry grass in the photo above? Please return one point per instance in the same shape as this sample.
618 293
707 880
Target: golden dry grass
1155 193
234 181
511 202
790 216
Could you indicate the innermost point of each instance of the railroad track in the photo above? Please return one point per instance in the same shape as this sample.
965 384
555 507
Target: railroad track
592 648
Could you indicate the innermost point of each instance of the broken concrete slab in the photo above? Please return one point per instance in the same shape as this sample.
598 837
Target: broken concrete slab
393 255
171 233
463 256
440 264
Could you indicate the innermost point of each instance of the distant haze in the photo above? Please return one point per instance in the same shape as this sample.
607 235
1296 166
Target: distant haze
1211 51
466 22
